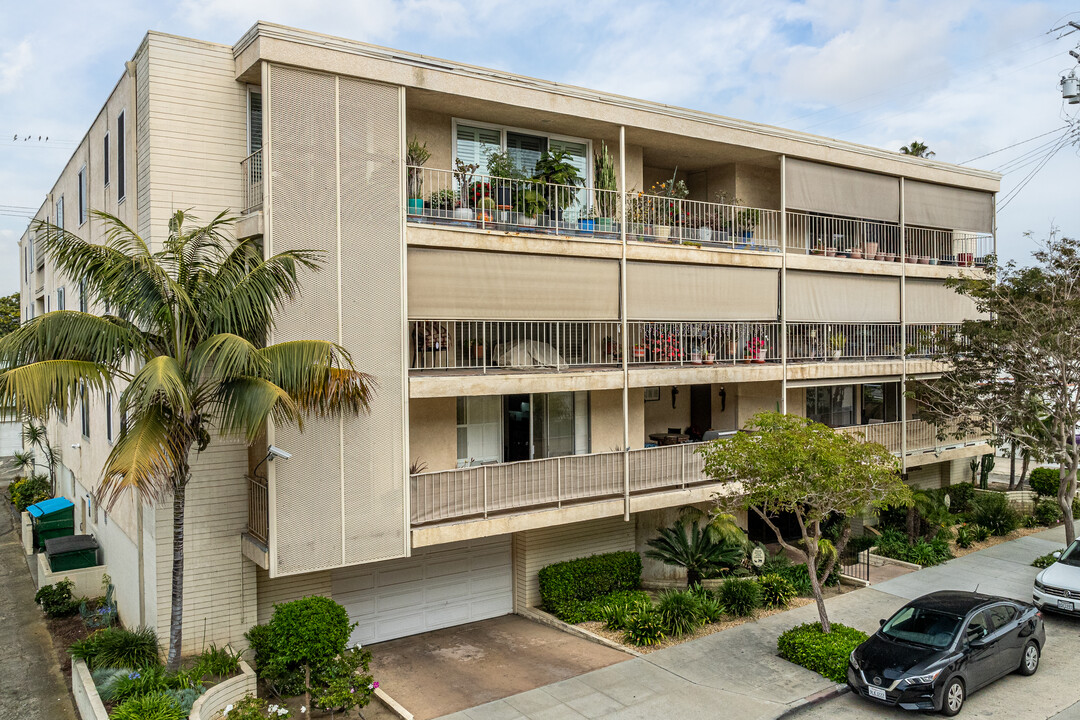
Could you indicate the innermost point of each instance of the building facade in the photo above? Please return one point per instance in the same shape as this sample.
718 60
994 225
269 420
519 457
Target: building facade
548 355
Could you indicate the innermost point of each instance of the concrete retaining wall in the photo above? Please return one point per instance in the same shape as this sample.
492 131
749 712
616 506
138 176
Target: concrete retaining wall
225 693
87 700
27 534
87 580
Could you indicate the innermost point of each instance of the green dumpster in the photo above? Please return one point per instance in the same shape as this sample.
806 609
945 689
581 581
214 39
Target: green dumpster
71 552
52 518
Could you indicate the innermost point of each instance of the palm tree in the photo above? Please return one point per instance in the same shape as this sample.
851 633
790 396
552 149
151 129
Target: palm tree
917 149
36 436
22 462
187 337
687 545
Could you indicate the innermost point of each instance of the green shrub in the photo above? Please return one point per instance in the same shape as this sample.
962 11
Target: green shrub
617 608
186 697
220 662
1045 481
1045 561
993 511
56 600
965 535
679 612
776 590
564 585
710 610
1047 512
155 706
644 628
132 683
894 544
115 647
982 534
825 654
253 708
740 597
961 497
27 491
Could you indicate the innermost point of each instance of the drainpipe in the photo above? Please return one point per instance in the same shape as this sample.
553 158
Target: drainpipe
903 336
783 285
625 330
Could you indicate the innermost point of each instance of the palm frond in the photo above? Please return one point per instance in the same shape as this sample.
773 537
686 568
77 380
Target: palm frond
226 355
71 335
243 404
319 376
145 458
39 387
160 382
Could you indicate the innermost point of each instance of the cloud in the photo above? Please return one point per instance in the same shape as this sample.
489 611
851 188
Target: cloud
13 64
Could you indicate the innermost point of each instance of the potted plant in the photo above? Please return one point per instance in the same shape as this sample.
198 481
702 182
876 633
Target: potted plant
709 355
745 221
463 173
668 210
528 204
605 188
415 156
505 177
756 350
695 356
485 209
639 352
855 252
560 179
476 349
871 247
442 202
836 345
587 223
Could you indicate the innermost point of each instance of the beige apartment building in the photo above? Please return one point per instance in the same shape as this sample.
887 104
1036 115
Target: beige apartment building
548 357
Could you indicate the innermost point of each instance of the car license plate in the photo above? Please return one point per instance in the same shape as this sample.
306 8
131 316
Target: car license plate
1065 605
875 692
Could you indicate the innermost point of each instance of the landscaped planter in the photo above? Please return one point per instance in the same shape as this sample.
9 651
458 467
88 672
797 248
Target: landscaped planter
879 560
225 693
87 580
87 700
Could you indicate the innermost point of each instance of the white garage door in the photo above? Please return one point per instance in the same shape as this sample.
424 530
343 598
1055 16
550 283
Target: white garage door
437 587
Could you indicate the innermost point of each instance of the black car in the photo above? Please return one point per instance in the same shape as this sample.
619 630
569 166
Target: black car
938 649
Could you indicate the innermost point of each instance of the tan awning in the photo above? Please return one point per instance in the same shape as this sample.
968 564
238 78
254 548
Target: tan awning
950 208
842 297
929 301
670 291
463 285
841 191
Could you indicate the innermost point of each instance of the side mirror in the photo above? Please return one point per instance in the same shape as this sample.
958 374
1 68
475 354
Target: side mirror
881 622
977 642
1056 554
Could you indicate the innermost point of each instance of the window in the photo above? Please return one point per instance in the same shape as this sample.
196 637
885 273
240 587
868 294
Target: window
474 143
833 405
1002 615
61 301
26 262
82 195
84 301
254 121
560 424
108 416
84 408
121 143
60 212
105 155
880 403
479 430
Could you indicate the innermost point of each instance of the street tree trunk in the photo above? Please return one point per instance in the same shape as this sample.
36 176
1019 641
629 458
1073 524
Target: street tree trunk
1024 468
176 618
1066 493
815 587
1012 465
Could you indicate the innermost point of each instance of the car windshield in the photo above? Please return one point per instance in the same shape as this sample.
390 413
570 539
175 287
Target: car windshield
922 627
1071 556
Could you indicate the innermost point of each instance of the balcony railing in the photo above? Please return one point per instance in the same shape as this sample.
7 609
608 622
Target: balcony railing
842 237
820 342
947 247
925 340
252 169
478 492
560 345
921 436
656 218
258 509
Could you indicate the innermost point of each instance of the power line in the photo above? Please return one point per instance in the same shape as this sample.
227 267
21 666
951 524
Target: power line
1009 147
1012 194
1022 160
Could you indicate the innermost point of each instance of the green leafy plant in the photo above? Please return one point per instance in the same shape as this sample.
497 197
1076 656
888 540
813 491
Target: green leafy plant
644 628
132 683
445 199
309 633
555 169
565 585
530 202
116 647
824 653
679 612
687 545
982 533
186 697
1047 512
895 544
254 708
345 682
1045 481
416 155
776 590
605 182
710 609
30 490
992 511
961 497
740 597
1045 561
965 535
56 600
155 706
618 607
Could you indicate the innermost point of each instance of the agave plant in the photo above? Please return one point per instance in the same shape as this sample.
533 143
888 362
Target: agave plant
687 545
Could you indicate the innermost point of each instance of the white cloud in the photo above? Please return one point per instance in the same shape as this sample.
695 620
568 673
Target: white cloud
13 64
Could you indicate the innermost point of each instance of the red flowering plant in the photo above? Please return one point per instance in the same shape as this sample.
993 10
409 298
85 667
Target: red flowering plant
754 347
670 210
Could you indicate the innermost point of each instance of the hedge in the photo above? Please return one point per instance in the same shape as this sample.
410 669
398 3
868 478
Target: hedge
565 586
1045 481
825 654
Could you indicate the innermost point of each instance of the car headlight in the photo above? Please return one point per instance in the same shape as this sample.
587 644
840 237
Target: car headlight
1039 586
922 679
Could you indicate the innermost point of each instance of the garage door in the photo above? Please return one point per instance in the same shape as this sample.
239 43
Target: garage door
437 587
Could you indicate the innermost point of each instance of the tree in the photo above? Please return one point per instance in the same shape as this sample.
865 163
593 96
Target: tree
687 545
36 435
188 339
1016 373
917 149
9 313
789 464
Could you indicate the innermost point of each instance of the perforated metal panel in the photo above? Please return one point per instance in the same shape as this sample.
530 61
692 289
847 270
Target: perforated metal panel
302 147
335 167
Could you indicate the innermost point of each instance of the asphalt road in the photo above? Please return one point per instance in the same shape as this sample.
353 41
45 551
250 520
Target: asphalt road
1053 692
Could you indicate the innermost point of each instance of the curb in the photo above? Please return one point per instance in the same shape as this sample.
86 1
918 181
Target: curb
818 698
550 620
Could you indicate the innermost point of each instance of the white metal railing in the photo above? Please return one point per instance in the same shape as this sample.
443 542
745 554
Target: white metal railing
930 339
252 168
842 237
818 342
490 202
886 433
703 343
927 246
506 487
258 523
921 435
657 218
483 344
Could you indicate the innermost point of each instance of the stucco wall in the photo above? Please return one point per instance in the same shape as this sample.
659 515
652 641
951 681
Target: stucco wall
433 432
755 398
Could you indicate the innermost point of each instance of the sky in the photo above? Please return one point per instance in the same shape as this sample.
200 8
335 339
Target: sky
966 77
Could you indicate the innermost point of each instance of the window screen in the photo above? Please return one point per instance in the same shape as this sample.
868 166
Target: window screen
473 145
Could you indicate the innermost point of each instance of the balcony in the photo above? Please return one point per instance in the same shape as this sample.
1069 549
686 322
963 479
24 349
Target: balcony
450 198
822 342
477 345
258 523
252 169
486 490
927 340
922 437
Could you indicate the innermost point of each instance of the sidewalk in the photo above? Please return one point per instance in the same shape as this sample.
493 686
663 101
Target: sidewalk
33 687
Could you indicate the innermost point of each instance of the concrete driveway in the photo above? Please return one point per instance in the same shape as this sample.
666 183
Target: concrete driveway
737 674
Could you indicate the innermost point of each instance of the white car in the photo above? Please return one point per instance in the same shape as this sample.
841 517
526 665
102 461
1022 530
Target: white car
1057 587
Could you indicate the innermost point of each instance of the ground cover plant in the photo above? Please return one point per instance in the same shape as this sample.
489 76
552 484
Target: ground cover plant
56 600
825 654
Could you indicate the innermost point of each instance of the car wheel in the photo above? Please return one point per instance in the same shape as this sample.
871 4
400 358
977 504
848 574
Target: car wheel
1029 662
953 698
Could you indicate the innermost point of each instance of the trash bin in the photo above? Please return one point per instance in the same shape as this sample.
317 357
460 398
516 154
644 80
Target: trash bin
52 518
71 552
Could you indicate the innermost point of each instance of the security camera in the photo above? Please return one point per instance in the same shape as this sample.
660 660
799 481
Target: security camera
277 453
75 446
